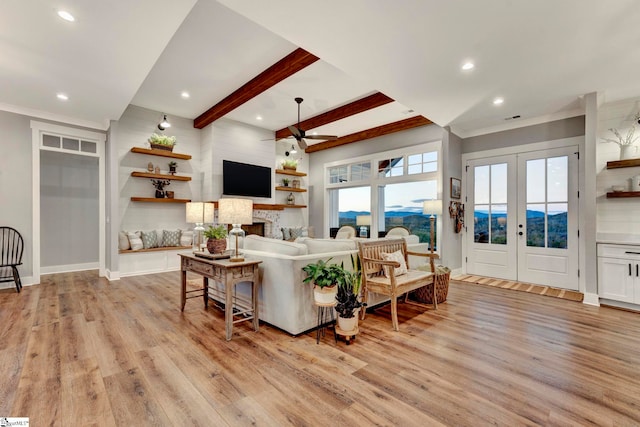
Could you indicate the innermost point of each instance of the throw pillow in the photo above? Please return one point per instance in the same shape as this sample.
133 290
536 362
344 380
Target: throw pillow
286 234
135 241
295 232
171 238
186 238
123 241
394 256
149 239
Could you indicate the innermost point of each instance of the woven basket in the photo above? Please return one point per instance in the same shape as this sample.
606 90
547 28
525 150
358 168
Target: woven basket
161 147
424 294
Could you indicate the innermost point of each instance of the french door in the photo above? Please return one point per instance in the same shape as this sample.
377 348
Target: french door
522 217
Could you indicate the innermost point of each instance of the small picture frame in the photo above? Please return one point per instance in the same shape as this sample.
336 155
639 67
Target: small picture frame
456 188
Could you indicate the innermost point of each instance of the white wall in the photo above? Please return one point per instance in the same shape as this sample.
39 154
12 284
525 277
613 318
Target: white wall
69 202
450 241
615 215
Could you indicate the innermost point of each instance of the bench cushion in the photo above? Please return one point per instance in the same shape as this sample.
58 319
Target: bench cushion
396 256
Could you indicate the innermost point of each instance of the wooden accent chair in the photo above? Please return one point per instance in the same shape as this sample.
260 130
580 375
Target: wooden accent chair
11 248
375 280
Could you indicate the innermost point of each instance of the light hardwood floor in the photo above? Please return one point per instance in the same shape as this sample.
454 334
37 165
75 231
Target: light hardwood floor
80 351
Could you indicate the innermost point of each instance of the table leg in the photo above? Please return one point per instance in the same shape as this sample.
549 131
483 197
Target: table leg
228 306
205 291
183 296
255 284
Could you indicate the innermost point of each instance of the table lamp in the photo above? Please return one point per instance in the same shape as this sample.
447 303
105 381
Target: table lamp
235 212
432 208
363 221
199 213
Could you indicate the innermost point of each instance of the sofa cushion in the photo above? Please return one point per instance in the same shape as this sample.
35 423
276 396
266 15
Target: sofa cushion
186 238
135 241
265 244
319 246
397 257
171 238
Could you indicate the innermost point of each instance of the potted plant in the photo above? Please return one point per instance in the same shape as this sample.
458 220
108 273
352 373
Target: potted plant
348 301
285 182
291 164
162 142
172 167
160 184
216 239
326 279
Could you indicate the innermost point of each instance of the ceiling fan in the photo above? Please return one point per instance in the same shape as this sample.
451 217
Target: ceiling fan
300 134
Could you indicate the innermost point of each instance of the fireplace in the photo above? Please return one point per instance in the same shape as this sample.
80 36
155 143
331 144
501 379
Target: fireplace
255 228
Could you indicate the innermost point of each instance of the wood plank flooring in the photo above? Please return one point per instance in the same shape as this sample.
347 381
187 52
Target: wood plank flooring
80 351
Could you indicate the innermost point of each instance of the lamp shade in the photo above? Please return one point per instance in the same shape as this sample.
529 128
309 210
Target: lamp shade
363 220
200 212
432 207
235 211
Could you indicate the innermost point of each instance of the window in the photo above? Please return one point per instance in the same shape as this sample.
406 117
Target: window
350 173
490 196
422 163
391 167
402 206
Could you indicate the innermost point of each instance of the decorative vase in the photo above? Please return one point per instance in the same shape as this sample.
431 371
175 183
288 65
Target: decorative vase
325 295
348 324
172 170
157 170
216 246
169 194
150 167
628 152
159 194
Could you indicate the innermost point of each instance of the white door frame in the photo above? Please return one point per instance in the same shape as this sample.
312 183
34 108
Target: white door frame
524 148
37 129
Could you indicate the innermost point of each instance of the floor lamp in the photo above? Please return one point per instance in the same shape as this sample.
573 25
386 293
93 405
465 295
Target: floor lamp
432 208
199 213
235 212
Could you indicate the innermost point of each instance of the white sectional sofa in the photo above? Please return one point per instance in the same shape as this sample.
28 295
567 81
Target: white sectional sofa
284 300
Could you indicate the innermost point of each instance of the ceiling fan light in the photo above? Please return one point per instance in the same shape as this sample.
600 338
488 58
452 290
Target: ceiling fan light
293 150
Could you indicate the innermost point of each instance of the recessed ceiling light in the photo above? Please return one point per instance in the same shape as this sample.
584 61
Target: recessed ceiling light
468 66
498 101
185 94
258 117
66 15
62 97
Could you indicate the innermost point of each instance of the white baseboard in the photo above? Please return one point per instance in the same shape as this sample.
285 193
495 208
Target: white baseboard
457 271
112 275
591 299
69 268
155 271
26 281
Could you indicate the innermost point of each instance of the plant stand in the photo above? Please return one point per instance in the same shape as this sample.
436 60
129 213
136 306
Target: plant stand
348 335
325 317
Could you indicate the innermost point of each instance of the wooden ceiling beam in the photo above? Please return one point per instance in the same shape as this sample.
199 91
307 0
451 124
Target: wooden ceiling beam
387 129
367 103
286 67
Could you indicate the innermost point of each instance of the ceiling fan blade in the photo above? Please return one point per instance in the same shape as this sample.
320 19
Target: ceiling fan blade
302 144
325 137
295 131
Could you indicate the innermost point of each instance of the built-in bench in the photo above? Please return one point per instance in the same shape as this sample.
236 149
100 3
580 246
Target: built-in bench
163 248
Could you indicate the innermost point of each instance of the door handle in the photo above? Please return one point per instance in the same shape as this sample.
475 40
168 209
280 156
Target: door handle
629 269
636 270
520 233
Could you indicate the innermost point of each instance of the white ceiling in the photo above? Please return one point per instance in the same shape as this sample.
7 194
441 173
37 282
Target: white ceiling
540 56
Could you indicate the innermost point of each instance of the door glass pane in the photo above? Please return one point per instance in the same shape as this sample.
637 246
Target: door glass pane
557 225
557 179
481 223
499 183
499 224
536 225
481 184
535 181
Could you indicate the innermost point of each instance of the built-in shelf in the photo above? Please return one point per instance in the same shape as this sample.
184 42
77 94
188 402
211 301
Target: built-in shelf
628 163
155 200
161 153
160 176
622 194
257 206
290 172
293 206
292 189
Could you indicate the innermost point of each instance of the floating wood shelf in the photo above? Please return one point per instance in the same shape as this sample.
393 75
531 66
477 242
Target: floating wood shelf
622 194
258 206
629 163
293 206
160 176
293 189
290 172
155 200
161 153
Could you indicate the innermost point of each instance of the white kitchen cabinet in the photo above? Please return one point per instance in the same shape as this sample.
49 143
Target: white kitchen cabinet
619 272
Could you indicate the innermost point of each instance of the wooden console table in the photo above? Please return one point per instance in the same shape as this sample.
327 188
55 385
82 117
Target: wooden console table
228 274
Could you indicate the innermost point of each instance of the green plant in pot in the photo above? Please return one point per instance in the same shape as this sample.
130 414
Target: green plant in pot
216 239
162 142
348 297
326 278
172 167
291 164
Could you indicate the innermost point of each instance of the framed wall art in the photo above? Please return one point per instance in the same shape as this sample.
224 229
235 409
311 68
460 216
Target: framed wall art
456 188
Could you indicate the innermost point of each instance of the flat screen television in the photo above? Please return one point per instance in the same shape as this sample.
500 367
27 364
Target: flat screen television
242 179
